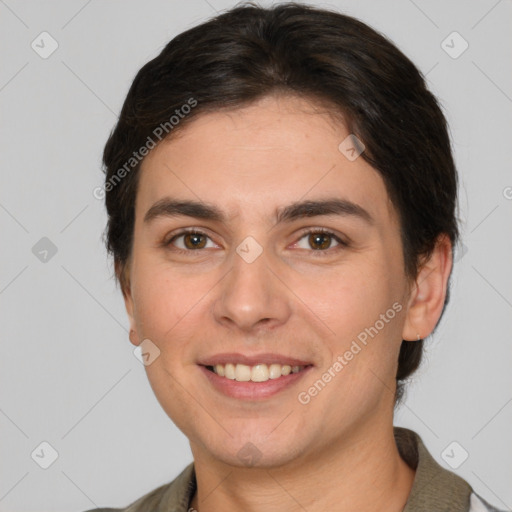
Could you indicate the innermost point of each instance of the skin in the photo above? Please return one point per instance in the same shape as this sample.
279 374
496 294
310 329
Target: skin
290 301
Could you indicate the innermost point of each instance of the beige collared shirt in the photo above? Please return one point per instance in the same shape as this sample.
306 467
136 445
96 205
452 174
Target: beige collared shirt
434 489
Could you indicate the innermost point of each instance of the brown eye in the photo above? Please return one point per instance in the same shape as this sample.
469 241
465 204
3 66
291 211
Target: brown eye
189 241
194 240
319 240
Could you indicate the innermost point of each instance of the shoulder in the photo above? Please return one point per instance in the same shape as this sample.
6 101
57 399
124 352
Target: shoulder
175 496
104 510
478 504
434 487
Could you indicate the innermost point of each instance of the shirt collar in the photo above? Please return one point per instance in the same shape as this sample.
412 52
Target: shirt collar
434 488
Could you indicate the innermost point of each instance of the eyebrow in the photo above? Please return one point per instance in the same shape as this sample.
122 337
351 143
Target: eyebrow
168 207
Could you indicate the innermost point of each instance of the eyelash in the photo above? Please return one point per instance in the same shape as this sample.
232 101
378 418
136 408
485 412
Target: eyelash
317 252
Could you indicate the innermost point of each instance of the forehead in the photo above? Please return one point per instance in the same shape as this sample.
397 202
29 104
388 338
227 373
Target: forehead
258 158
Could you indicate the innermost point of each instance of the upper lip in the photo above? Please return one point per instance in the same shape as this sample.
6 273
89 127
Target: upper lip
266 358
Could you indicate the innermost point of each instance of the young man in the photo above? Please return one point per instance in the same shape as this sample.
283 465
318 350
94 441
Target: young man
281 197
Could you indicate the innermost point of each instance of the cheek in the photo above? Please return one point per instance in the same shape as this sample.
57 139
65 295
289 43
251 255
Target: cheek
159 302
169 309
362 308
153 302
351 299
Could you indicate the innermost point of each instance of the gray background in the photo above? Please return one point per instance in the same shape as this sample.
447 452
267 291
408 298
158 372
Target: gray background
68 373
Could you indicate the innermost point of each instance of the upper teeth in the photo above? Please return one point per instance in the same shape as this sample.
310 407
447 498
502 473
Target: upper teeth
258 373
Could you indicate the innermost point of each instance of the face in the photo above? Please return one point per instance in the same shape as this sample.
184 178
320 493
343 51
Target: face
292 258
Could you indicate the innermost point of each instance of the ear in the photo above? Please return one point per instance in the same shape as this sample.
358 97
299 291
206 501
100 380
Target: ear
429 292
123 276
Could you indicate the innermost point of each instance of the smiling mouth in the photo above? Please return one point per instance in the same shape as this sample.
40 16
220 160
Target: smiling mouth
257 373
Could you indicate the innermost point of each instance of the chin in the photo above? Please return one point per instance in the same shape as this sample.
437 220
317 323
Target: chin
254 451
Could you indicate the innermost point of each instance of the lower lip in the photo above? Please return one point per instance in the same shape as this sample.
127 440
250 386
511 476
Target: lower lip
253 390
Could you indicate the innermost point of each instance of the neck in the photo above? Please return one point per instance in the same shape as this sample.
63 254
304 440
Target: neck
362 473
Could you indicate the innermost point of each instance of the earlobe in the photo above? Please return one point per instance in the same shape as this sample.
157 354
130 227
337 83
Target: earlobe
429 292
128 301
134 338
124 281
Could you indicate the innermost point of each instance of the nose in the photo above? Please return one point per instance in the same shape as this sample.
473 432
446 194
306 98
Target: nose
251 296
